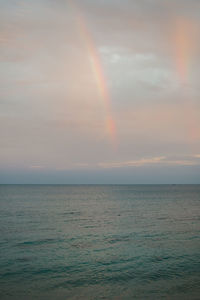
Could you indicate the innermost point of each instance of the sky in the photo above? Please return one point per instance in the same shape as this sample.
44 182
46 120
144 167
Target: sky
100 91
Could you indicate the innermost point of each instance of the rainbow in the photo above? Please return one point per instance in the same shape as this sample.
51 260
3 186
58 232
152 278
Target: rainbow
184 48
183 44
97 70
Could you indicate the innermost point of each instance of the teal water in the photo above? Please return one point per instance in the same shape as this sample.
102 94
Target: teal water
99 242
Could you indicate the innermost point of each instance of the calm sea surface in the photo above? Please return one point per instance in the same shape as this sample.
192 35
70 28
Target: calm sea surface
99 242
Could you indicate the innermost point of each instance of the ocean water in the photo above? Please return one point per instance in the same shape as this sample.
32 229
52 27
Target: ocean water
99 242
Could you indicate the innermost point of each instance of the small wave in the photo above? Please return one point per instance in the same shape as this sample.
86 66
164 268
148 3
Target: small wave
159 258
25 259
37 243
68 213
116 239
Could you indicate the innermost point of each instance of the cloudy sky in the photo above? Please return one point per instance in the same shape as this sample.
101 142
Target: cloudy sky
100 91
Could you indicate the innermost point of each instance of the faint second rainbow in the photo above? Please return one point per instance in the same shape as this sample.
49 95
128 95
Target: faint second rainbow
184 50
183 47
97 70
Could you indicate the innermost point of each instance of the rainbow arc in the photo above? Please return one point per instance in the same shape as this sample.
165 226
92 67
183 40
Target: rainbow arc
97 70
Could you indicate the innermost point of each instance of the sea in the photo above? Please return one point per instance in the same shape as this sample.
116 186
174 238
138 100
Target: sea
99 242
